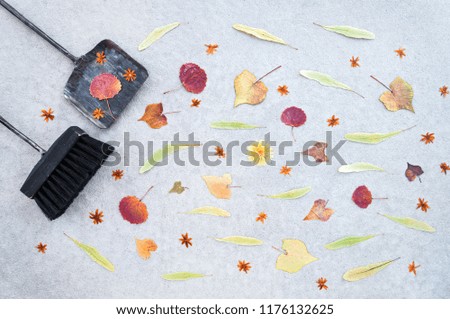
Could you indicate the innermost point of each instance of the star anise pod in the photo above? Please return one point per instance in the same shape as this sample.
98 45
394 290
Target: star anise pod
41 248
96 217
185 240
321 283
101 58
244 266
129 75
423 205
47 114
427 138
117 174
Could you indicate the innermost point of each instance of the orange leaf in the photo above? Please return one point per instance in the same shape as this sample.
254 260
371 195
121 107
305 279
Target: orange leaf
319 211
105 86
399 97
153 116
133 210
144 247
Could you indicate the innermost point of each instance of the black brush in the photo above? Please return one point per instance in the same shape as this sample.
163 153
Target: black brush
63 170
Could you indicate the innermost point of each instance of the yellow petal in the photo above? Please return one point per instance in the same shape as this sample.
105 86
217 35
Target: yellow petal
296 256
247 91
218 186
144 247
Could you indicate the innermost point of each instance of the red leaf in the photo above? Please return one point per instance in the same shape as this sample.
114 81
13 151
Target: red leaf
105 86
362 196
133 210
193 77
293 116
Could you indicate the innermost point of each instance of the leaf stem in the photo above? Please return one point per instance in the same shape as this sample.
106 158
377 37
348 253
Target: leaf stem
380 198
280 250
292 133
382 84
318 24
267 74
358 94
232 186
408 128
148 190
110 111
172 90
172 112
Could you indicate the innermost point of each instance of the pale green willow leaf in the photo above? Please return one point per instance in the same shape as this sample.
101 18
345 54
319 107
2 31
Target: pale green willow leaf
372 138
209 210
348 31
326 80
366 271
233 126
241 240
411 223
182 276
157 34
161 154
94 254
260 34
291 194
359 167
347 242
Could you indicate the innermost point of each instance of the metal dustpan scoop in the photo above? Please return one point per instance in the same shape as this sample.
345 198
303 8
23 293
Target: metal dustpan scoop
118 77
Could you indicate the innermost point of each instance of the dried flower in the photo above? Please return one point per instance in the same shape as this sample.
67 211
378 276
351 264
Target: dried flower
195 103
41 248
423 205
47 114
444 168
285 170
117 174
412 268
98 114
321 283
211 48
185 240
400 52
260 153
261 217
96 217
427 138
354 62
244 266
220 152
101 58
443 90
129 75
333 121
283 90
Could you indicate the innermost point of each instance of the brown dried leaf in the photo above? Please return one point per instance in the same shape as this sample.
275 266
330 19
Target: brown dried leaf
144 247
319 211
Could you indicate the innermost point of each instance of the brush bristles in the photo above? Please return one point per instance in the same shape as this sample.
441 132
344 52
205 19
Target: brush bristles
71 175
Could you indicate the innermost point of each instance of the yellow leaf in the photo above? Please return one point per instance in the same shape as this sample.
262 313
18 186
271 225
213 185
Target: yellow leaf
400 96
359 273
296 256
218 186
144 247
247 90
260 34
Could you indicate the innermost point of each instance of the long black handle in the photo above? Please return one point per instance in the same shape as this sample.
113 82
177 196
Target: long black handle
21 135
27 22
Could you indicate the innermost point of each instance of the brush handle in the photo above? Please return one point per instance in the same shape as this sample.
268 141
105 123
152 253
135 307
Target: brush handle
21 135
33 27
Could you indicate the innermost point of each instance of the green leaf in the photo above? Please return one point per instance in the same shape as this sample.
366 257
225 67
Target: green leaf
161 154
366 271
209 210
233 126
348 31
326 80
260 34
157 34
359 167
347 242
94 254
178 276
241 240
411 223
372 138
291 194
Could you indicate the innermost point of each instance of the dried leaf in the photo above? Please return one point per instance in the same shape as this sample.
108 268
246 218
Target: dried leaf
294 117
209 210
178 276
411 223
413 171
94 254
362 196
133 210
177 188
372 138
241 240
291 194
248 91
326 80
347 242
399 97
144 247
260 34
222 125
366 271
318 152
359 167
295 256
156 34
348 31
219 186
161 154
193 78
105 86
154 116
319 211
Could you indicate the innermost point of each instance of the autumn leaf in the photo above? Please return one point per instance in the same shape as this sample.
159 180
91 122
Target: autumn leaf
144 247
219 186
133 209
412 267
96 217
177 188
427 138
248 90
294 256
362 196
399 95
363 272
193 78
400 52
93 253
104 87
41 248
261 217
283 90
47 114
211 48
293 117
318 152
443 90
413 171
260 34
243 266
354 62
100 57
129 75
319 211
321 283
157 34
186 240
423 205
154 116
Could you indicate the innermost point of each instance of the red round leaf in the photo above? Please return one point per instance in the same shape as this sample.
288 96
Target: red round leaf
133 210
193 77
362 196
105 86
293 116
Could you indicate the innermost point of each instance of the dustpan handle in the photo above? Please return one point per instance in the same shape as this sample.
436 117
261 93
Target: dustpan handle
21 135
28 23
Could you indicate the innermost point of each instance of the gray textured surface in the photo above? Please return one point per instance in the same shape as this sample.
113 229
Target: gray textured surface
33 76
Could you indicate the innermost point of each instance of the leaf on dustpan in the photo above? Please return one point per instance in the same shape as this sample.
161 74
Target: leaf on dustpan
348 31
291 194
222 125
208 210
318 152
193 78
156 34
260 34
347 242
161 154
248 90
154 116
399 96
319 211
241 240
94 254
177 188
372 138
366 271
178 276
359 167
105 86
144 247
295 256
411 223
413 171
219 186
326 80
